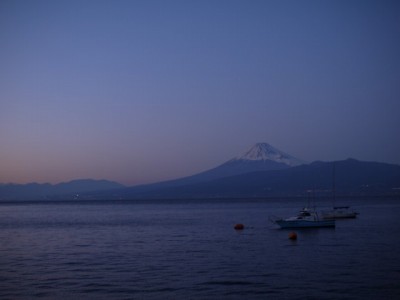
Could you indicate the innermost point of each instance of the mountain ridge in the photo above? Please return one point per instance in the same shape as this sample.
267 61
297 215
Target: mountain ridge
40 191
261 171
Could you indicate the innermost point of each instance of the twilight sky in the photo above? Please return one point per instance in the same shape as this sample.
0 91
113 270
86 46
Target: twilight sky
142 91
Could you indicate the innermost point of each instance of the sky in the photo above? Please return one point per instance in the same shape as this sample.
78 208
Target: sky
143 91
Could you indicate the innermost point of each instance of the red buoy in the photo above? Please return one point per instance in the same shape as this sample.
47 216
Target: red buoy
293 236
239 226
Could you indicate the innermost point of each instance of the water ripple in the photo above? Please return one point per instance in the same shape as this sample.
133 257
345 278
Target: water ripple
175 251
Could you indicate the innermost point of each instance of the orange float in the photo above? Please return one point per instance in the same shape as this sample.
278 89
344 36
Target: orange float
239 226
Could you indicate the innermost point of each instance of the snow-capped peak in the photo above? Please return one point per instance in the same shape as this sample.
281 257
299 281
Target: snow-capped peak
264 151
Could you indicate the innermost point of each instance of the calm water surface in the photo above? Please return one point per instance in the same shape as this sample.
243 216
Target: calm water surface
189 250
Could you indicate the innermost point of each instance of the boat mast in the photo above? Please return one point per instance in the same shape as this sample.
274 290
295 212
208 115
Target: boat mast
333 185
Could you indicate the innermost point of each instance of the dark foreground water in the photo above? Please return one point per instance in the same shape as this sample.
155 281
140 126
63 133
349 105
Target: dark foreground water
189 250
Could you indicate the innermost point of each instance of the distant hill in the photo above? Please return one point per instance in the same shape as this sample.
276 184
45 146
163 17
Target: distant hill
353 178
46 191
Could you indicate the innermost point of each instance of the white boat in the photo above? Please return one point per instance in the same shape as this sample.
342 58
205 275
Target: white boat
339 212
307 218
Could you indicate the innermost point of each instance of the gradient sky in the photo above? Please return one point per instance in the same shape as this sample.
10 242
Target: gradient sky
142 91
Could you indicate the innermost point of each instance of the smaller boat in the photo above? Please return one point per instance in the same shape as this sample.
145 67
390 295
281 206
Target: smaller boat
339 212
306 218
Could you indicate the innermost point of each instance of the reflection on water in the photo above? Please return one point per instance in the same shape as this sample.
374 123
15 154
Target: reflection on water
178 249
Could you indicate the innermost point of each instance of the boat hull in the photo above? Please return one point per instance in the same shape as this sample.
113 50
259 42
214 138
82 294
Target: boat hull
339 213
305 223
339 216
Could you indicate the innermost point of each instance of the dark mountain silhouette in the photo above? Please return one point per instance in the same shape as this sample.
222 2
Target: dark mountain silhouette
72 189
262 171
353 178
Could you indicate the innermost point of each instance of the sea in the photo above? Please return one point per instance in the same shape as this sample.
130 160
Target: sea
189 249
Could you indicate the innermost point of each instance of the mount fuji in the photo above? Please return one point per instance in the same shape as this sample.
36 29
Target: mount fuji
266 153
260 157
